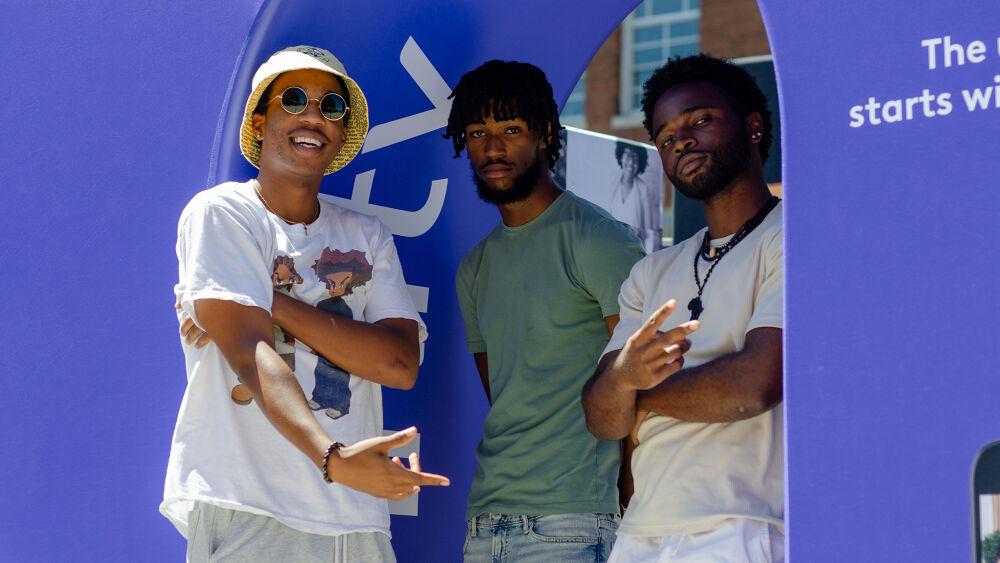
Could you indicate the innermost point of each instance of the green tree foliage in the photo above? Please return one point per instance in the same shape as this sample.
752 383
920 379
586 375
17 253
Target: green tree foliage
991 547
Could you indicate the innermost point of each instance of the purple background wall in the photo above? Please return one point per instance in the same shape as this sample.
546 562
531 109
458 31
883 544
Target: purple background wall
110 120
892 300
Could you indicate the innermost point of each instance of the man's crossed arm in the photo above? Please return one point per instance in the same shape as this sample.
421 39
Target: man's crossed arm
732 387
386 352
647 375
246 339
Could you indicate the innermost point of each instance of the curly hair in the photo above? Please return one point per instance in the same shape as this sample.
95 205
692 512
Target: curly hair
505 90
641 158
334 261
736 84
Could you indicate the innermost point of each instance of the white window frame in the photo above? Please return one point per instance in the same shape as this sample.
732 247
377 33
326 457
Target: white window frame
628 115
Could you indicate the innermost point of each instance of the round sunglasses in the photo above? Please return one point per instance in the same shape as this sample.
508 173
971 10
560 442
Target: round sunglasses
294 100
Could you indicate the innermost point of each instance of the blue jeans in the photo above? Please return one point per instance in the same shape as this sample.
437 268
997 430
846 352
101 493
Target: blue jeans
494 538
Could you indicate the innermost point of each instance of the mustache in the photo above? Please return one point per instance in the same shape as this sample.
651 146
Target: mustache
689 151
499 161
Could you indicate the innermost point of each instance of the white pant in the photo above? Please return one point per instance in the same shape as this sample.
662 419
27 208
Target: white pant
737 540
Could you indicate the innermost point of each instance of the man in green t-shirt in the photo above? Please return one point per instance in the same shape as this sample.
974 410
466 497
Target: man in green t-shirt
539 297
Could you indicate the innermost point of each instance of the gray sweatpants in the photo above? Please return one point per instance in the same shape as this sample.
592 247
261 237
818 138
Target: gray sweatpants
221 535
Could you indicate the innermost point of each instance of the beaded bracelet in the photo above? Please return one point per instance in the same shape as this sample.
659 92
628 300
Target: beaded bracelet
326 460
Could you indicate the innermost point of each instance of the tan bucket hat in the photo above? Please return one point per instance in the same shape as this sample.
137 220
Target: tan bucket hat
299 58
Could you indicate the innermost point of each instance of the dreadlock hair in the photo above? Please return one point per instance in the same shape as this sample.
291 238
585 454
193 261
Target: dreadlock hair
505 90
735 83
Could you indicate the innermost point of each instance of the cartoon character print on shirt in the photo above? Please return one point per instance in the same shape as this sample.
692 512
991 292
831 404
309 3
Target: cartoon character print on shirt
283 277
341 272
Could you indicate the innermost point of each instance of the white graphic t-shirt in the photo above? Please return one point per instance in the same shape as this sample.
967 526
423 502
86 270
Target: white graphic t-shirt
224 451
689 476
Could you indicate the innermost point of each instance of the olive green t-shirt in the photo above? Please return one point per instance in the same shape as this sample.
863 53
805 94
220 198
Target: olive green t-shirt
534 298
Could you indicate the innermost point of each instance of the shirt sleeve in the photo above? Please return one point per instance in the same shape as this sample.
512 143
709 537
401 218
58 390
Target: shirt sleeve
631 303
220 258
389 296
605 260
769 308
465 287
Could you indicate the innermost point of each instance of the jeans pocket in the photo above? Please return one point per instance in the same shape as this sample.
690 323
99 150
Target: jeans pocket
608 525
565 528
609 522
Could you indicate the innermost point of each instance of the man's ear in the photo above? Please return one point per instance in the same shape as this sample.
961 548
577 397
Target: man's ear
543 143
257 122
755 125
548 135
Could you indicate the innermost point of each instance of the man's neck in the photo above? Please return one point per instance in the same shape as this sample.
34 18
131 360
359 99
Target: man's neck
523 212
726 212
292 199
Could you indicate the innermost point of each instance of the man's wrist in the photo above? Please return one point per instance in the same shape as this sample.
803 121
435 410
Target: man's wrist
331 459
619 384
277 306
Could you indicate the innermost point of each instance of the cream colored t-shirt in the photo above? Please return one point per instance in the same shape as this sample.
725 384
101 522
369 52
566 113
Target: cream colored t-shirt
689 476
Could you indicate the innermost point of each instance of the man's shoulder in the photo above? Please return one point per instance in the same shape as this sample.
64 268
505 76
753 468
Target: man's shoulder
498 235
774 222
470 262
769 236
352 226
593 221
347 216
667 257
693 240
230 196
585 210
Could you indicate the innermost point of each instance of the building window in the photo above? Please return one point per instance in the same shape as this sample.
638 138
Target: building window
651 34
573 112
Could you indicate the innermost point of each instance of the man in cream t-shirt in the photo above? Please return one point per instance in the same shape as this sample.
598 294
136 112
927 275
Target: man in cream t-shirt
702 400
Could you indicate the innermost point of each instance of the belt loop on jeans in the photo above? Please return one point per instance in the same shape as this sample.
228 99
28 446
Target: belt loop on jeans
526 523
474 526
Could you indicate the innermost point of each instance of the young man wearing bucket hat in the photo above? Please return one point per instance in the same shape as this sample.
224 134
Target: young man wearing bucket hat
268 266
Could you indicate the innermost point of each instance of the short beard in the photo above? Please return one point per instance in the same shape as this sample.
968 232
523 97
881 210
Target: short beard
524 186
727 163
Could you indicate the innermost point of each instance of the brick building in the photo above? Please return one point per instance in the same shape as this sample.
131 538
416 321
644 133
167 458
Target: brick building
607 97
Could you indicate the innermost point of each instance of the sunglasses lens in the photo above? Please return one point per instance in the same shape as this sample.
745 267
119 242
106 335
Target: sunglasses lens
333 106
294 100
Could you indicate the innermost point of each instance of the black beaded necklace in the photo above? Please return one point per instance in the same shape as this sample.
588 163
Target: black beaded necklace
714 255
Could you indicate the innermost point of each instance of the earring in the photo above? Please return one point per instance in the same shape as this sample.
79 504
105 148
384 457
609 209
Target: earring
259 137
756 135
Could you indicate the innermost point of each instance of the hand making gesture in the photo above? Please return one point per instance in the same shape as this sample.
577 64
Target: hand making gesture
367 467
651 355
